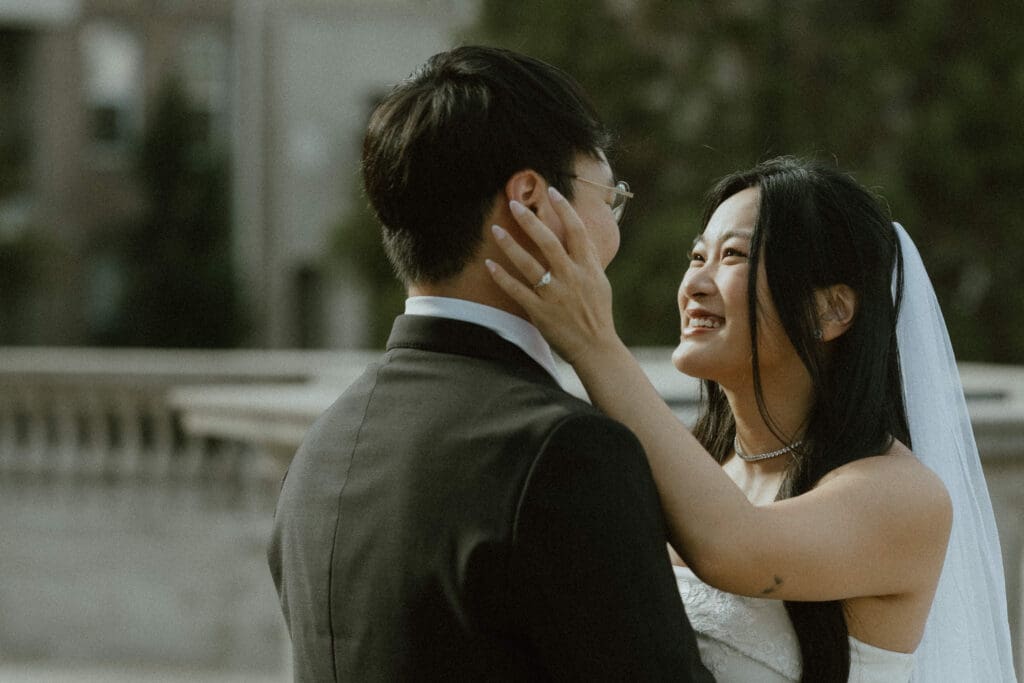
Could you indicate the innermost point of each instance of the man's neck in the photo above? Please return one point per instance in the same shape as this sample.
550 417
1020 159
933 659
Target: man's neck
470 287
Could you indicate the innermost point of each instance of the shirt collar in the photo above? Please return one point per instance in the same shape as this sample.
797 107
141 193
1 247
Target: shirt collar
507 326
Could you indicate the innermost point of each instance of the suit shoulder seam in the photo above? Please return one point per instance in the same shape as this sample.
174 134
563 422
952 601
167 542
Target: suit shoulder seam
337 516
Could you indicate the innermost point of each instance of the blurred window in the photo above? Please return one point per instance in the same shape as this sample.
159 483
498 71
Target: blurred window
112 60
204 69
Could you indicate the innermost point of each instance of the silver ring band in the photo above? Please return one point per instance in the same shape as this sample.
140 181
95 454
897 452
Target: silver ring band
544 281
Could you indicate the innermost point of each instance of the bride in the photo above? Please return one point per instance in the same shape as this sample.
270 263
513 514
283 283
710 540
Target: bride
811 541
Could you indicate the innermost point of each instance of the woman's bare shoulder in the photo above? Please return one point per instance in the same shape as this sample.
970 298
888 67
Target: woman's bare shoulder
898 461
900 484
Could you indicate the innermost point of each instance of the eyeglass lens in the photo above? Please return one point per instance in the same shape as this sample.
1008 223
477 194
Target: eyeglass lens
619 203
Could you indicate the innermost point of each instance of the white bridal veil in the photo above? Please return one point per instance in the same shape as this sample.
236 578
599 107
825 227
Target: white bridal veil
967 636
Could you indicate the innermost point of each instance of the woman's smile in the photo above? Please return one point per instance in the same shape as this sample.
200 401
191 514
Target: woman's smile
698 321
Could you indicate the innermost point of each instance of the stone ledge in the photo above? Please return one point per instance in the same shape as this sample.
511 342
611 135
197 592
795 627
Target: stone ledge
276 416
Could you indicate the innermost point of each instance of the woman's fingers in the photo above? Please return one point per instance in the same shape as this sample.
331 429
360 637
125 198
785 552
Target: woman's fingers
577 239
528 267
542 236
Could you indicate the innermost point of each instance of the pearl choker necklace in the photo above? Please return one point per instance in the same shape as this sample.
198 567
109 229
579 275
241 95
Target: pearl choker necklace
762 456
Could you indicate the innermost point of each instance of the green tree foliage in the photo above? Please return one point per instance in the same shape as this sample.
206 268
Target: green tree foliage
23 261
19 252
921 101
178 284
357 245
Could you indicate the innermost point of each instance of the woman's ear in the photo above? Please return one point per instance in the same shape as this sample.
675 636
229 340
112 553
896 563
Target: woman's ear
837 307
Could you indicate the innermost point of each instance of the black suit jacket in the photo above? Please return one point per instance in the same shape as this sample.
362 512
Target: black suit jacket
455 515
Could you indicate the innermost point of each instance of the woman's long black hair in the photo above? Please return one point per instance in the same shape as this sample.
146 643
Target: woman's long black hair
817 227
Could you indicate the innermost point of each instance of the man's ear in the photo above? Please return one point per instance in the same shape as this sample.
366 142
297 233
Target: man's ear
837 307
530 189
526 187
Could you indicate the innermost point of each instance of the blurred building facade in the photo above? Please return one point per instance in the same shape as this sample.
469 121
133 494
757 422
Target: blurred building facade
84 74
308 75
281 87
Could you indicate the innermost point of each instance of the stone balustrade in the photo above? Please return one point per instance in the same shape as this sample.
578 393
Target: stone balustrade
130 545
237 416
105 413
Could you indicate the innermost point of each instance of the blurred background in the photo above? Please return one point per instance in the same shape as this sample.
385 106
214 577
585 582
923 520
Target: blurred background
189 273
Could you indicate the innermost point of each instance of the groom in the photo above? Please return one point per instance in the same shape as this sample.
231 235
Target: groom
456 515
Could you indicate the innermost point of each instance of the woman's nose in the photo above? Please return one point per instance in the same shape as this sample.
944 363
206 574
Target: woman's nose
697 282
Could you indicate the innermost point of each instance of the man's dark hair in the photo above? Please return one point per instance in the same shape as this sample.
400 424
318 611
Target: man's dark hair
443 143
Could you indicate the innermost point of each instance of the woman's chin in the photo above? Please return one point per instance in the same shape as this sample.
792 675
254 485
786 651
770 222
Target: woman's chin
684 360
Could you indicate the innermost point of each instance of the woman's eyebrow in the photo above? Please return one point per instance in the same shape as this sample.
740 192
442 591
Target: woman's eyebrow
742 233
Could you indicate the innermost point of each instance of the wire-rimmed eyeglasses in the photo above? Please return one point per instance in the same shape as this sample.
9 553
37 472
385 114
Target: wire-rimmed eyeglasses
622 195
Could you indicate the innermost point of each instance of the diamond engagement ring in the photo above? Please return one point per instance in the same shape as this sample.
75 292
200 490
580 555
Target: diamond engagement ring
544 281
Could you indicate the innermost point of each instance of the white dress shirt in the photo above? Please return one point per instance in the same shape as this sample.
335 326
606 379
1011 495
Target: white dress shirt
507 326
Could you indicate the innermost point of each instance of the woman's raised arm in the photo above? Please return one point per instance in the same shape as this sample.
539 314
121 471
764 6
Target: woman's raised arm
813 547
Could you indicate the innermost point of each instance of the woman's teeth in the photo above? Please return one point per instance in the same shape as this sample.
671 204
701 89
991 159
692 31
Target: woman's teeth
705 322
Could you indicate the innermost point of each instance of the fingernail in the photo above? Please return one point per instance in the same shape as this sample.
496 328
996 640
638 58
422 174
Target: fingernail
489 263
516 207
499 232
555 194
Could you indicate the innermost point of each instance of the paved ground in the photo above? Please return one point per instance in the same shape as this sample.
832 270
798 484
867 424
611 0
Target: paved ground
44 674
136 582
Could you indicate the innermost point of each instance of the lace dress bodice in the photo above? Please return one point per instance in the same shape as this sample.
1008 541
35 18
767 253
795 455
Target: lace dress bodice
745 639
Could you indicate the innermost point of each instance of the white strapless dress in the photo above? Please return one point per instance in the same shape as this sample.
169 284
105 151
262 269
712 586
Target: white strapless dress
744 639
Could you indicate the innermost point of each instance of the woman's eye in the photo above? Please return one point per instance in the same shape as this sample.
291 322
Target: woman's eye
694 256
733 252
